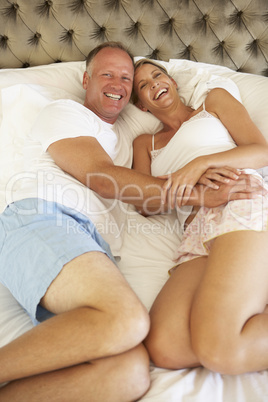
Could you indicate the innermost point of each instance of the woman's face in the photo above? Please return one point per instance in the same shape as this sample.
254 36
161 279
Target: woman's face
155 89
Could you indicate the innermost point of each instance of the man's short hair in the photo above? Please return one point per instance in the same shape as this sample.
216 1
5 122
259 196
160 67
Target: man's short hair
96 50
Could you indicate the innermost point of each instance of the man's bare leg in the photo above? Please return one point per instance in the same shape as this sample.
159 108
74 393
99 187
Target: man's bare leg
123 378
98 316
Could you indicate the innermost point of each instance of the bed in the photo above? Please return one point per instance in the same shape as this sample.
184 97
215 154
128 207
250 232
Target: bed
203 44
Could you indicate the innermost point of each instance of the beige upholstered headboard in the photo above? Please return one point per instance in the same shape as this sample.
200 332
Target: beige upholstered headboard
233 33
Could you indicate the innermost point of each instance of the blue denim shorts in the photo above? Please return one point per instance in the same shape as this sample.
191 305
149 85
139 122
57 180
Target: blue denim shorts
36 239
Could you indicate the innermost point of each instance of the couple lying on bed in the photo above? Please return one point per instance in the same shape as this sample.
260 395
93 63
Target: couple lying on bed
91 345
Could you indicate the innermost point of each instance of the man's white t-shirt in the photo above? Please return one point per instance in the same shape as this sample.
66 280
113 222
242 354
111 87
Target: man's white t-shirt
42 178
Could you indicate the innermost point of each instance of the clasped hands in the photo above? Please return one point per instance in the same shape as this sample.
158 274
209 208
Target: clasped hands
216 186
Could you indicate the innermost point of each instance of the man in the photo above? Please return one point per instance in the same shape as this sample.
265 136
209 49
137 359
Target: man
58 266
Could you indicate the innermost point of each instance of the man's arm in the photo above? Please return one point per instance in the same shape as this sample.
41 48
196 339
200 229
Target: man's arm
85 159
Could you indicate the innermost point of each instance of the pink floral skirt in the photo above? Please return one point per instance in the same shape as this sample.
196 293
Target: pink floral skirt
209 223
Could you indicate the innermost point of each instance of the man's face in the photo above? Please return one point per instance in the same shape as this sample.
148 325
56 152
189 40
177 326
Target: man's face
109 87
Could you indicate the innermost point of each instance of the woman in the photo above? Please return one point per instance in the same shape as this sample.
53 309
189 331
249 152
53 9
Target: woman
213 309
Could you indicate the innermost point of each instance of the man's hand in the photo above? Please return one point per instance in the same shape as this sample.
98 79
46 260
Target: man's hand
178 186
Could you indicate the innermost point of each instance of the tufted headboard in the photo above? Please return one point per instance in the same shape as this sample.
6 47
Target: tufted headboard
233 33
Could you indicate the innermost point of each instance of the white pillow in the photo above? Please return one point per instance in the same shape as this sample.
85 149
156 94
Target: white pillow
66 76
253 89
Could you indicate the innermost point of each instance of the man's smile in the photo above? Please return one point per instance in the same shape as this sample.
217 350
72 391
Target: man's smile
113 96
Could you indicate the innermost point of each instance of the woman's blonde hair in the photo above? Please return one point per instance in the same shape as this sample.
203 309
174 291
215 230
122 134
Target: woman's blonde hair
143 61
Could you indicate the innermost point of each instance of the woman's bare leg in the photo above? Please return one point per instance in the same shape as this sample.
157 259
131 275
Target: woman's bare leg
169 342
229 322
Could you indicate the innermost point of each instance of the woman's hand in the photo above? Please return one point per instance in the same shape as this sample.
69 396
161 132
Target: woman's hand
179 185
221 175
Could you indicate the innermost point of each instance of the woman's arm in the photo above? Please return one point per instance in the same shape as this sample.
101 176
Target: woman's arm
251 150
252 147
142 146
141 153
